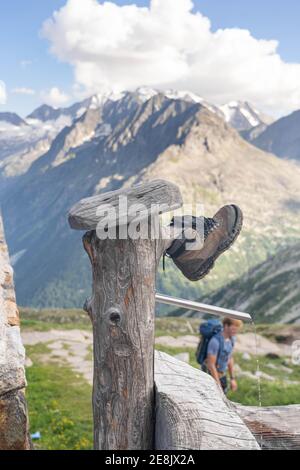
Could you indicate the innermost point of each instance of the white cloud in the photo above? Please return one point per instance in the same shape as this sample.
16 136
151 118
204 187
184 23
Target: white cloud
55 97
162 46
2 92
23 91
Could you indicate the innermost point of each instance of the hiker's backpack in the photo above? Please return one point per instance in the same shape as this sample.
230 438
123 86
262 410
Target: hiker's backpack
207 330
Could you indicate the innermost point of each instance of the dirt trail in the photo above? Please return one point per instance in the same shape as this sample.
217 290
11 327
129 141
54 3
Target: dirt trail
71 346
245 344
74 347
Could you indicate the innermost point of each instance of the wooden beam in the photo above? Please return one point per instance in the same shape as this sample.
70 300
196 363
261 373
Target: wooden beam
275 427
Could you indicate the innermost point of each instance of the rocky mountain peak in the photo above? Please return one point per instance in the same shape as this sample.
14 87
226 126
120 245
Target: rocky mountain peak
243 116
12 119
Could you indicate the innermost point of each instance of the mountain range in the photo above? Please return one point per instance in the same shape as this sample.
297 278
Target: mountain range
55 157
281 137
271 290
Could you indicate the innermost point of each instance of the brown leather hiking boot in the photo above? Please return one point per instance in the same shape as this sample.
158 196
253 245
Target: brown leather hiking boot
196 251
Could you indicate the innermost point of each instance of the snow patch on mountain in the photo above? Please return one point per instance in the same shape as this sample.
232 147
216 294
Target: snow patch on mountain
243 116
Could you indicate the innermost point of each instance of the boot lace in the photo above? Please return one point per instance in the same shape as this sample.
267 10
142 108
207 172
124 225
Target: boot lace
209 226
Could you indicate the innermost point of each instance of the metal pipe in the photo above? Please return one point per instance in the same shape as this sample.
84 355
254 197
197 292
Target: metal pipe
203 308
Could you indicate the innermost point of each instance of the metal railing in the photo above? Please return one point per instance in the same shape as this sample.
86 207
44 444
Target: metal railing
203 308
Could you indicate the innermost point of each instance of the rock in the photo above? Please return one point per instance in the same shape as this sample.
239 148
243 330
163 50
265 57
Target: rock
246 356
13 422
181 342
13 409
28 362
11 378
263 375
253 376
258 344
286 369
284 338
272 366
272 356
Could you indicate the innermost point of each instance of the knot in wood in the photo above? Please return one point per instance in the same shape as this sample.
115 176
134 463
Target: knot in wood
114 316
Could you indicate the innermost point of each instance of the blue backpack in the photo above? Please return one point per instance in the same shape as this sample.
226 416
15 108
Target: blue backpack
207 330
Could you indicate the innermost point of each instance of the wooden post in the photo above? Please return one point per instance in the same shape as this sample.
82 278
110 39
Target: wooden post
122 311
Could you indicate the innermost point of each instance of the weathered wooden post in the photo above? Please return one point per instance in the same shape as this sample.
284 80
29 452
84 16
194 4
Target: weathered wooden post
122 308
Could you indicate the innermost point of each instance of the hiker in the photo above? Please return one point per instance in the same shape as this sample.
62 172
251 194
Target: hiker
215 350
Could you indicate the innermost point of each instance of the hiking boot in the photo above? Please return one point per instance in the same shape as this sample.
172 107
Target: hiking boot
196 251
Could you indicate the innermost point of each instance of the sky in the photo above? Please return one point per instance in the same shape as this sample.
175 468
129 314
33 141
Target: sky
221 49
